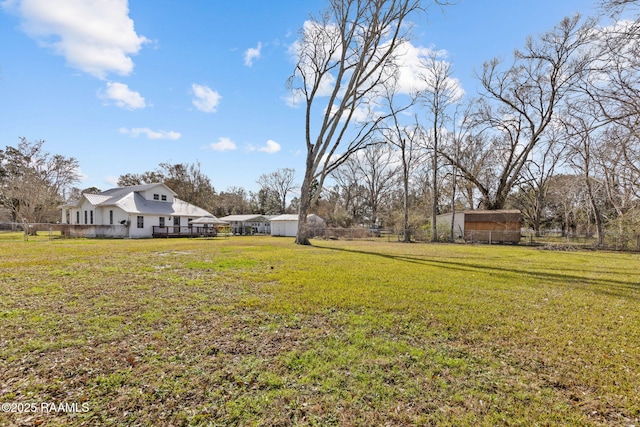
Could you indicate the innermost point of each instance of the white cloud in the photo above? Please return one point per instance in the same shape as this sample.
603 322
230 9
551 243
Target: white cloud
270 147
94 36
112 180
313 33
205 99
123 96
151 134
223 144
82 176
317 40
416 69
251 54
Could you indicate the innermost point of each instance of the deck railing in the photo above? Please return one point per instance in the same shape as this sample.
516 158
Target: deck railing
184 231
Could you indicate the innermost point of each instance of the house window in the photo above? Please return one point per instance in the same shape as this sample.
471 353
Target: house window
85 217
140 222
110 217
91 216
78 217
156 197
161 221
176 221
164 197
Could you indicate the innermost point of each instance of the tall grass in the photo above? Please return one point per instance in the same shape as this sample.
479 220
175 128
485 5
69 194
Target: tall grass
259 331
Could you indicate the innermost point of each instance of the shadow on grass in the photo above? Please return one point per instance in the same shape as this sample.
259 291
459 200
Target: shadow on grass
612 287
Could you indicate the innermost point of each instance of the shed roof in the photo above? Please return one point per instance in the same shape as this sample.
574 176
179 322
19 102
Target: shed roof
500 215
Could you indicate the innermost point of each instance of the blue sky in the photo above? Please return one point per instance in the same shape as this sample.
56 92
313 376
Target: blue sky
123 86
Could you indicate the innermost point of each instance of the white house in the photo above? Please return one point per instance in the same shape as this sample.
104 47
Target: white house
287 225
131 212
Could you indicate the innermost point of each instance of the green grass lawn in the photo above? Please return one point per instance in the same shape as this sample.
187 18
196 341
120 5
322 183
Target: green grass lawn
261 332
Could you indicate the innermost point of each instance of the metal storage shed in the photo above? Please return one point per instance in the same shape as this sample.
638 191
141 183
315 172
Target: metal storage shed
287 225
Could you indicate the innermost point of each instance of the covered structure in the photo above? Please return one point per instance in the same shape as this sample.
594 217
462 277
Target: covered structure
287 225
207 226
484 226
248 224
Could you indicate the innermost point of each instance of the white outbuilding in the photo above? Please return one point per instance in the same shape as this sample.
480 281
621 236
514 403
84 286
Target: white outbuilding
287 225
248 224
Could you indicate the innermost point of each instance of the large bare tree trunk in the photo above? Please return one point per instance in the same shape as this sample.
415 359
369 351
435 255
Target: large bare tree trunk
344 57
302 237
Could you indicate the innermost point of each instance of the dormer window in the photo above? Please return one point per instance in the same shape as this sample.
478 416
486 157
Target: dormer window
156 197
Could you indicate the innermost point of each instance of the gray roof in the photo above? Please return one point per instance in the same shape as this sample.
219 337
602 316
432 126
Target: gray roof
129 200
135 203
244 218
121 191
209 219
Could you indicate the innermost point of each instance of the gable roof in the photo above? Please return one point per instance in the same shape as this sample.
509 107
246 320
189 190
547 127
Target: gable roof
134 203
120 191
131 201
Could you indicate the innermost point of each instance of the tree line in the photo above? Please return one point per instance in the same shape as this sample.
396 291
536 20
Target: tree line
552 132
558 119
34 184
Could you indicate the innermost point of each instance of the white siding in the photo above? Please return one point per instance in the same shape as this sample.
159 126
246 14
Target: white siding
160 191
284 228
118 215
444 220
135 232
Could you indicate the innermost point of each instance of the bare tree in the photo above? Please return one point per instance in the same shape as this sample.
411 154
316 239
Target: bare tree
232 201
33 182
564 200
453 146
366 179
348 194
440 92
279 183
519 104
582 122
377 170
549 155
187 180
343 57
406 137
615 7
149 177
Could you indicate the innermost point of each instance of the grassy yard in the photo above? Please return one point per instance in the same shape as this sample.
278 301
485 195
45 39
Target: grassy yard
261 332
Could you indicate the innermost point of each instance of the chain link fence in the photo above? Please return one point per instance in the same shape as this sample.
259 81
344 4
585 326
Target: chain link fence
613 241
552 240
53 231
